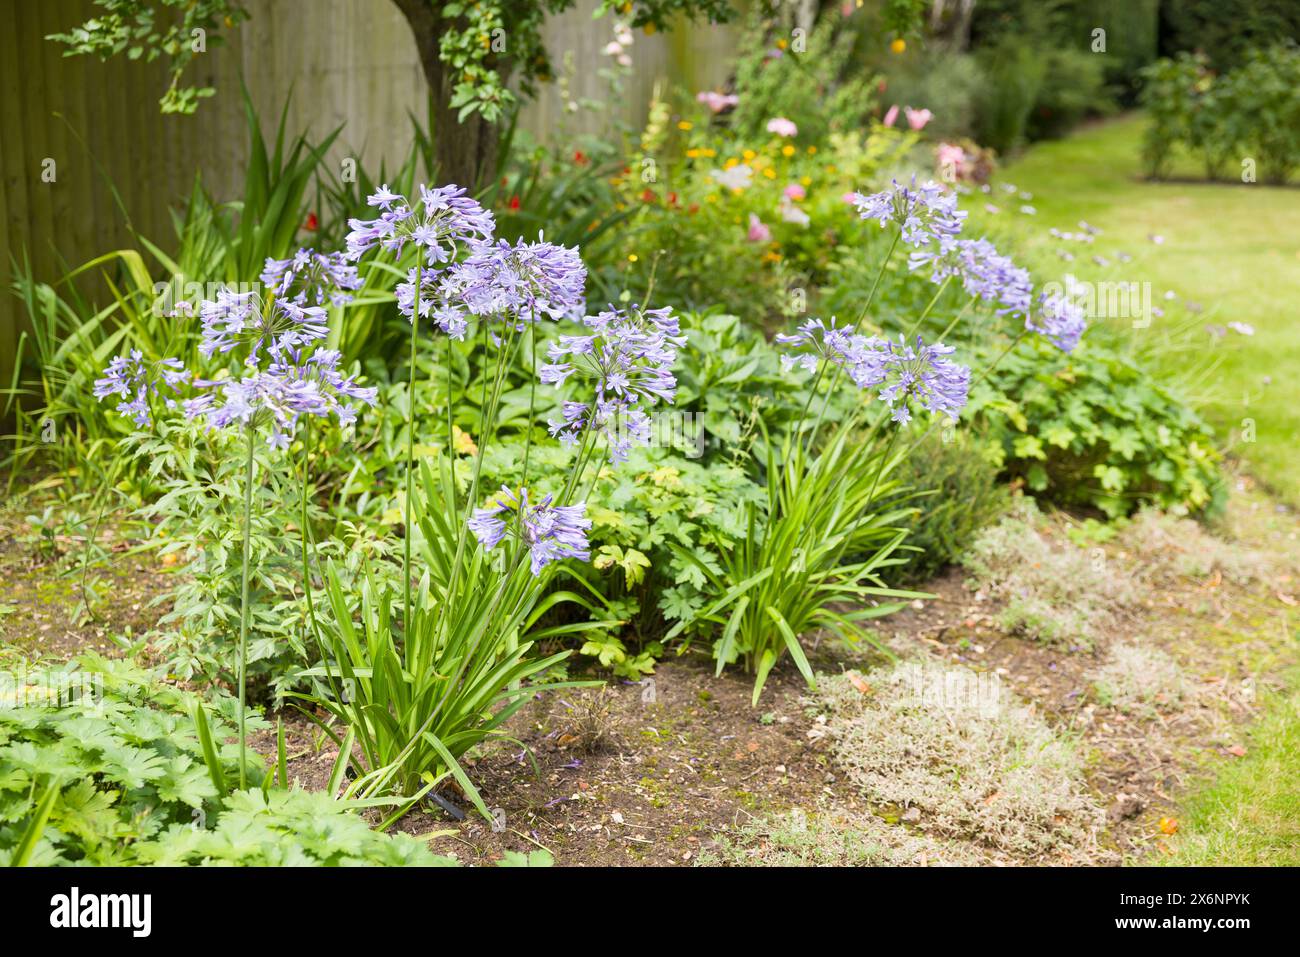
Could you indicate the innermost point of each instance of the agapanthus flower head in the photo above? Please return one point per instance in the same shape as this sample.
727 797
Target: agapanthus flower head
267 325
442 222
1058 318
550 532
924 375
983 271
923 213
279 395
135 380
817 342
312 279
525 280
627 358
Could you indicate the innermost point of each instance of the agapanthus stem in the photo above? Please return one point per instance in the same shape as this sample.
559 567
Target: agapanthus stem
410 452
866 306
243 605
926 312
532 393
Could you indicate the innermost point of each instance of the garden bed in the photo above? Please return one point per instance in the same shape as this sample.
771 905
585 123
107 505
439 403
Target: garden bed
680 768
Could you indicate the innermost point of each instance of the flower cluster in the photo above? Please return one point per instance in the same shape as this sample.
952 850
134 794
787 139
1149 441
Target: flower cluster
550 532
899 372
444 220
135 380
310 278
983 271
628 356
924 374
1059 319
278 327
528 280
924 213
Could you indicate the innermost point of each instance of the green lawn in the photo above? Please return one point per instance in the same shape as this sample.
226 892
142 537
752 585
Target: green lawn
1251 815
1233 248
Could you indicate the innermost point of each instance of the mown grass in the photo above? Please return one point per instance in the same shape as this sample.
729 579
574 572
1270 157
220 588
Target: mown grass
1233 248
1250 816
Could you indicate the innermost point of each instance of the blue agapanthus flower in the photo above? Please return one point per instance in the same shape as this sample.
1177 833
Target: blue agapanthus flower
280 395
924 375
627 359
1058 318
442 223
311 278
983 271
924 213
135 380
550 532
264 325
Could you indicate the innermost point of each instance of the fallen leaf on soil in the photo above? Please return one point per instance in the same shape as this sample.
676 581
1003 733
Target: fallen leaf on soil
859 683
1169 825
1238 750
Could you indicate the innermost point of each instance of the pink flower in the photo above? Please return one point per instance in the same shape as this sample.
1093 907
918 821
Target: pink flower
849 198
782 127
758 232
917 119
794 191
717 102
891 116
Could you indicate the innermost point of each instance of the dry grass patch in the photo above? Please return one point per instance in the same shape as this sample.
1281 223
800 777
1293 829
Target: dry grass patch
1053 590
1139 678
961 757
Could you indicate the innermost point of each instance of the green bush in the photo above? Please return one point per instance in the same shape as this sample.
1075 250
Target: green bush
1091 428
1073 88
1249 114
102 764
955 473
1015 74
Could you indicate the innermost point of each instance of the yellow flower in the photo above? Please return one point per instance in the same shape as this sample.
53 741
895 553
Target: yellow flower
462 441
694 153
749 155
711 198
769 172
812 150
805 180
781 43
707 151
649 29
731 161
899 45
631 257
787 150
685 125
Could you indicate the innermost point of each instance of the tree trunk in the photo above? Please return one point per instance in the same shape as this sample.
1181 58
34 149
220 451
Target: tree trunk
465 152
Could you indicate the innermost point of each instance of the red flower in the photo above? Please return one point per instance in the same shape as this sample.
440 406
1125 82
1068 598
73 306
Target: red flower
672 199
312 223
514 203
648 196
693 208
580 157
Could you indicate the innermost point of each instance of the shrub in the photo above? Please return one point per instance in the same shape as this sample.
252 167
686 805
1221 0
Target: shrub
1091 428
1251 113
102 764
833 839
1014 76
958 494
